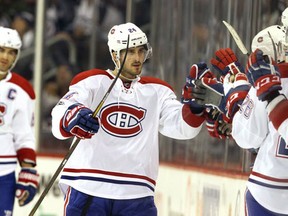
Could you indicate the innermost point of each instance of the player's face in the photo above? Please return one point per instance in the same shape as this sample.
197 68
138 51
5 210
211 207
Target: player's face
7 57
134 61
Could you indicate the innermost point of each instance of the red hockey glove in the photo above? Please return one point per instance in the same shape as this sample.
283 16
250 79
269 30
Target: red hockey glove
263 74
198 71
218 128
78 121
237 91
234 100
26 186
226 62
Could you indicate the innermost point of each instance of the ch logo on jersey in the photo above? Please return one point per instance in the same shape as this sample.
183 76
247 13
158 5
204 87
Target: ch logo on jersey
122 120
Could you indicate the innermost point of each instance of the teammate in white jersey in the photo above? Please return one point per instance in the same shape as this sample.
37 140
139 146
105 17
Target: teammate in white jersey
16 128
114 168
261 124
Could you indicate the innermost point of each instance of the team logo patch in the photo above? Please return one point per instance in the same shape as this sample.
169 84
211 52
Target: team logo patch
122 120
69 95
260 39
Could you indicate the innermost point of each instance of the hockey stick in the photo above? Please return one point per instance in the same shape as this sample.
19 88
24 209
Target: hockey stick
240 44
75 143
236 38
274 47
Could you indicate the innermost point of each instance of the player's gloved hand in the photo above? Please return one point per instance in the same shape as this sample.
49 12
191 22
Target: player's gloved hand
26 186
210 92
226 61
264 76
212 113
235 93
78 121
218 128
223 128
197 71
187 98
206 92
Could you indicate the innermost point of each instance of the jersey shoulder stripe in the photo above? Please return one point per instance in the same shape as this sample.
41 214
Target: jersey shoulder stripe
85 74
149 80
23 84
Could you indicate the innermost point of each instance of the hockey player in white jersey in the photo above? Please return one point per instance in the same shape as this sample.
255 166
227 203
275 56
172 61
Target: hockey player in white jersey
114 168
16 128
261 124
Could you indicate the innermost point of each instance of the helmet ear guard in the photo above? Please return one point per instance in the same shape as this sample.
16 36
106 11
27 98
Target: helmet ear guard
117 40
271 41
10 39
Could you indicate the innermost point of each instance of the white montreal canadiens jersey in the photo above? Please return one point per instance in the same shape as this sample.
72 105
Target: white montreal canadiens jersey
268 181
16 120
121 160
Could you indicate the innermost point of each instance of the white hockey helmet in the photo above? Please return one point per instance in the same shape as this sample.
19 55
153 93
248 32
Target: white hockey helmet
117 39
271 41
284 17
10 38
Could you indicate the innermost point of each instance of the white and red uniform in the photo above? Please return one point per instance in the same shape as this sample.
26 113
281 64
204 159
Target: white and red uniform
16 123
268 181
121 160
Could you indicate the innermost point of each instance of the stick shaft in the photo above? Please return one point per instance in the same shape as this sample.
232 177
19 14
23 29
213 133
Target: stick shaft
77 140
236 38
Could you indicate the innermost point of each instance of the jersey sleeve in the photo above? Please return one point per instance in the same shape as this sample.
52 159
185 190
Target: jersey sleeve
71 97
278 115
176 119
23 128
250 123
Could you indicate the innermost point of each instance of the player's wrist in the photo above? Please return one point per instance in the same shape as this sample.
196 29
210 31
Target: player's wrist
273 102
197 110
271 96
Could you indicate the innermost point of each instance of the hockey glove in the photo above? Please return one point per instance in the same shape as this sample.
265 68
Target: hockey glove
187 98
264 76
78 121
205 93
210 92
218 128
234 100
26 186
237 91
226 62
197 71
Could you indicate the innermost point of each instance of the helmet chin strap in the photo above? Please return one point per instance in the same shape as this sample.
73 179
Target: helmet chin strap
3 72
128 79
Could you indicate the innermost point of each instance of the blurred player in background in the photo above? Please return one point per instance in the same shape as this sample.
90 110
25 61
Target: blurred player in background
261 123
16 128
114 168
